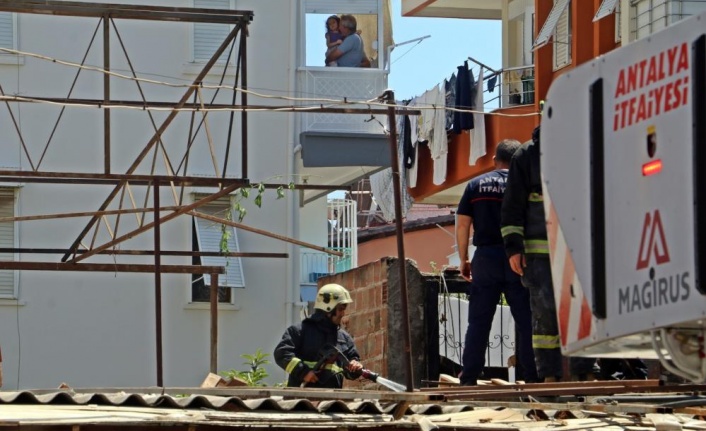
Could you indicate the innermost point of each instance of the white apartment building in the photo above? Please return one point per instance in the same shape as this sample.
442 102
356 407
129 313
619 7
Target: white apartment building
99 329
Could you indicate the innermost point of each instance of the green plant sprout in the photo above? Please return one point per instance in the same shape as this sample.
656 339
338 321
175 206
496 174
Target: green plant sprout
255 373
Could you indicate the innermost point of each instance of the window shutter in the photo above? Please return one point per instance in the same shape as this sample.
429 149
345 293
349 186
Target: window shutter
208 37
209 235
618 25
7 30
562 40
7 239
550 24
606 8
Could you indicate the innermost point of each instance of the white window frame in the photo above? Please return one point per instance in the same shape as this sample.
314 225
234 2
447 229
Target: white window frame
562 39
648 16
618 24
7 58
192 37
364 7
10 291
234 277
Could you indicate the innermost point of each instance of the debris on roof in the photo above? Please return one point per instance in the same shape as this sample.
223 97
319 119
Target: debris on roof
667 407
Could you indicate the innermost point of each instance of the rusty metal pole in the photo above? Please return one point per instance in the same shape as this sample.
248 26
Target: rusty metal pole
214 323
394 161
106 93
158 284
244 99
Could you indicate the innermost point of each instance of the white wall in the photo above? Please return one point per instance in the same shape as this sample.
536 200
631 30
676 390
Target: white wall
97 329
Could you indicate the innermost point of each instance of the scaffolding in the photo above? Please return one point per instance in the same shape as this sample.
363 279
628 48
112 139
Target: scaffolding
121 185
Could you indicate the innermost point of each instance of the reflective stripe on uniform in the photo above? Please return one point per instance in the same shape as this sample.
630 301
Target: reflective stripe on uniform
292 365
536 246
536 197
509 230
545 341
331 367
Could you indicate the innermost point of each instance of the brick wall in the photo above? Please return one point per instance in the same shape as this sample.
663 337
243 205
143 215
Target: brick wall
366 318
374 318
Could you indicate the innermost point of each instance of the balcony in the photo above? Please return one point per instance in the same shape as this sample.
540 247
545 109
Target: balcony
342 236
469 9
516 87
341 83
315 264
513 94
341 148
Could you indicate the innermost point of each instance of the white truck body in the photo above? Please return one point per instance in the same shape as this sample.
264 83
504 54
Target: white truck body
622 149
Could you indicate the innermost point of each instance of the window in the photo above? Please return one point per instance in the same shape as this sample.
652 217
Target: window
207 37
208 237
8 279
316 49
562 38
649 16
373 22
7 31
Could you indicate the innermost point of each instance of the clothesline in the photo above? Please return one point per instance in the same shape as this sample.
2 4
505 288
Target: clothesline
495 72
485 77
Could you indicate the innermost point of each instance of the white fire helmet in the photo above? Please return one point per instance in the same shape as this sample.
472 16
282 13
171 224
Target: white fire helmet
330 295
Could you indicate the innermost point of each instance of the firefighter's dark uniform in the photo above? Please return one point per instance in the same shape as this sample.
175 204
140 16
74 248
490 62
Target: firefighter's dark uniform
301 346
492 276
524 231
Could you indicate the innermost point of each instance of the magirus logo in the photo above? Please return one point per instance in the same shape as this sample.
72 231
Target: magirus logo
653 242
657 290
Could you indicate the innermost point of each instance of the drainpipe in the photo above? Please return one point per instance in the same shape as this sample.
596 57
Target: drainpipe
293 199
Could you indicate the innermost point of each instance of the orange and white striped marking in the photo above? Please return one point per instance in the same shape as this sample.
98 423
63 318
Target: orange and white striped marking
574 314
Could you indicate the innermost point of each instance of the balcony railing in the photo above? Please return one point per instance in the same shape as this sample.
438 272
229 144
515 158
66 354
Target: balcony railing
341 83
452 331
315 265
514 86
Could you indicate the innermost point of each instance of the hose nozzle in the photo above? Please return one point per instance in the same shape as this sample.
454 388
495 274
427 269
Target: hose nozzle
370 375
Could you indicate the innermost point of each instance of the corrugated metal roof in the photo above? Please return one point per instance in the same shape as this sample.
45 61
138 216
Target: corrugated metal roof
139 410
224 403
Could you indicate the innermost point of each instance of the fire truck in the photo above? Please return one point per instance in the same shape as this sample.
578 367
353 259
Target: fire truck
623 159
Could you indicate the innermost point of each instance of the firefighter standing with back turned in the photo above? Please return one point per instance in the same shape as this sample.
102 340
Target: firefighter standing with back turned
524 234
480 207
302 345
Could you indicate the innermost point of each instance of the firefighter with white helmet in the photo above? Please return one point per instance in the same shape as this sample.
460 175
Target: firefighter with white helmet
301 346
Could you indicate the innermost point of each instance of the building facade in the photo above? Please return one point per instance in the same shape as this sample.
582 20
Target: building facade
99 329
541 40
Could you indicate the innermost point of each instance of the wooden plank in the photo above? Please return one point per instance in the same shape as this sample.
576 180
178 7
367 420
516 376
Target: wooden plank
400 410
148 252
264 233
353 106
576 391
553 385
155 13
133 179
110 267
144 180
